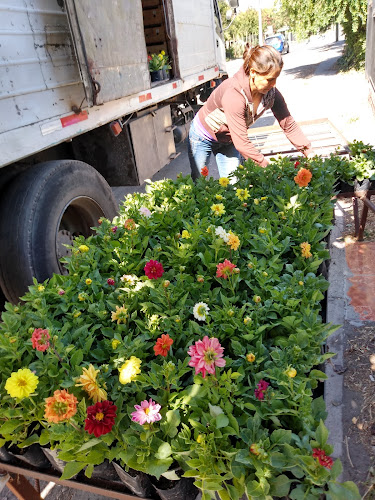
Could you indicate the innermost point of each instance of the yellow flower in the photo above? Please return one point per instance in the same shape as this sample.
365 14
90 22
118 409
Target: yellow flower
256 201
81 297
305 249
90 385
224 181
262 230
162 53
233 241
83 248
120 315
77 313
247 320
256 299
129 370
218 209
292 372
250 357
160 56
219 197
241 167
115 343
200 438
263 198
88 281
40 288
185 234
300 283
242 194
21 383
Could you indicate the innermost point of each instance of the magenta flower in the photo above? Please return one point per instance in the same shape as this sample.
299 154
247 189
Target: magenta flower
205 355
261 389
114 229
153 269
147 412
111 281
61 292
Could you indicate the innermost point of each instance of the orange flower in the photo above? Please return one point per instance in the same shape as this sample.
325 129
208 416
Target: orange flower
204 171
163 344
303 177
129 224
224 269
61 406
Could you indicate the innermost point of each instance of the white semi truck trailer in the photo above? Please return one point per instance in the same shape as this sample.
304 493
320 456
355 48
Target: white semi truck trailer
79 113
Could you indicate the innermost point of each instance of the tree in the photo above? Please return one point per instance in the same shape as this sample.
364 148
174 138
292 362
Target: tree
308 17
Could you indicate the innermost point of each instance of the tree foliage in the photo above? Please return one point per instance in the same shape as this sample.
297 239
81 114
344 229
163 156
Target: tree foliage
308 17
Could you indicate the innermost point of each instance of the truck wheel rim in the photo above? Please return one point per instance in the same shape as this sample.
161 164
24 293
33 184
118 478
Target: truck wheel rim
77 218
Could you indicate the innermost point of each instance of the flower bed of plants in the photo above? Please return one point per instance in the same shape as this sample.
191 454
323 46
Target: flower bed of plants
185 336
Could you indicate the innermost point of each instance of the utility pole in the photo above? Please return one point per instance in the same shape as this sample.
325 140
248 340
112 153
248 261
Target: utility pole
260 24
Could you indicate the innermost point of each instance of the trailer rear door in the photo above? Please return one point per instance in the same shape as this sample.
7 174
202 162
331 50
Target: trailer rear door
110 47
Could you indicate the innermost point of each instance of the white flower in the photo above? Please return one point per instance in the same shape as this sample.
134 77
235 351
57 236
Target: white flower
129 278
200 311
221 233
145 212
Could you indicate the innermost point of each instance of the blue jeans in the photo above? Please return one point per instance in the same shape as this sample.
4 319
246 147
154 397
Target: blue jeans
200 149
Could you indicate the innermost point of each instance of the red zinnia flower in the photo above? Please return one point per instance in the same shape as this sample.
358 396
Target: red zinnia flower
261 389
204 171
323 459
224 269
40 339
111 281
296 163
100 418
163 344
153 270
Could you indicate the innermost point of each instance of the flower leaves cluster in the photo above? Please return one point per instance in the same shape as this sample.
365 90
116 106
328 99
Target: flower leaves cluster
170 346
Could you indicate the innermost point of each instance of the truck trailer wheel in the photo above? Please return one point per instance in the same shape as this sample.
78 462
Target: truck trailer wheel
41 211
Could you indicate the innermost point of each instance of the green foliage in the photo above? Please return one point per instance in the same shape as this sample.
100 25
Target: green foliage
308 17
216 428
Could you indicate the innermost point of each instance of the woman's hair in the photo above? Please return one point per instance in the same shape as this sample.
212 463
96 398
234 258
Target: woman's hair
262 59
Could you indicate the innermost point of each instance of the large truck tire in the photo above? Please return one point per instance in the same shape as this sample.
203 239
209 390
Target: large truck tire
40 212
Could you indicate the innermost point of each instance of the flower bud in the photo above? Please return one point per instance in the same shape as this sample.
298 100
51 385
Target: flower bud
257 299
250 357
247 320
230 313
292 372
166 283
200 278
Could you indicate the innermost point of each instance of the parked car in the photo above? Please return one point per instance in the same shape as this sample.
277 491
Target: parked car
278 42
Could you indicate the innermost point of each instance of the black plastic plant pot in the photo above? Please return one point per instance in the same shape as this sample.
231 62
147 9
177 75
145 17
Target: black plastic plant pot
56 462
32 455
157 76
105 471
137 482
5 456
183 490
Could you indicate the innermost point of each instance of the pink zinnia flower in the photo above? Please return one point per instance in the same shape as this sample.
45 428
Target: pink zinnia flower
145 212
224 269
111 281
205 355
153 269
147 412
261 389
40 339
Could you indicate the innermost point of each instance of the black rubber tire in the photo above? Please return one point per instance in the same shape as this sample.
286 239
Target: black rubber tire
42 209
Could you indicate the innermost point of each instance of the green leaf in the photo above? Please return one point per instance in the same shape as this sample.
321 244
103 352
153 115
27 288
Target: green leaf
336 469
76 359
172 421
34 438
89 444
256 490
281 436
321 434
347 490
89 470
318 374
221 421
9 427
280 486
71 469
215 410
164 451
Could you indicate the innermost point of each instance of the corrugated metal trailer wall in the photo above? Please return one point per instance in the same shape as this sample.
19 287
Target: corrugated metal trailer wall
370 51
39 76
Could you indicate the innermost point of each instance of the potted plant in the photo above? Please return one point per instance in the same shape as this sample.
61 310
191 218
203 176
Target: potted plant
155 66
166 65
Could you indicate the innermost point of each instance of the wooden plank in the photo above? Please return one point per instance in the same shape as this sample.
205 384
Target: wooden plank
149 4
153 17
155 35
